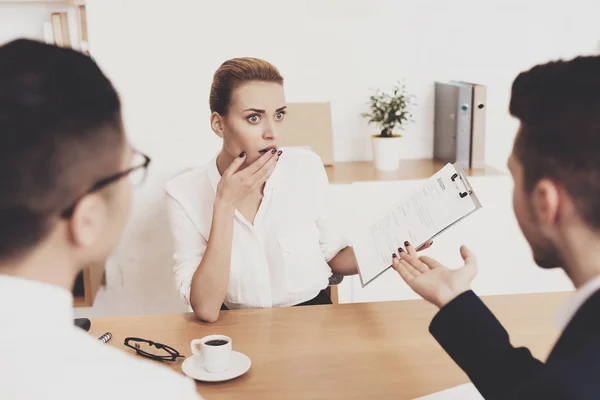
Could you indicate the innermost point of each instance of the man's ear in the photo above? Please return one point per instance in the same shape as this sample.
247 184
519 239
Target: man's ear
216 123
545 200
88 220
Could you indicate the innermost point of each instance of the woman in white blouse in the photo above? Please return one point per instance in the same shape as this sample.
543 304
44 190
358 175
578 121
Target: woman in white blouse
251 228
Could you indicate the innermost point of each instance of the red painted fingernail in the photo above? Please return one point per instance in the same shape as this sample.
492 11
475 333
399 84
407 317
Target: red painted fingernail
400 250
273 151
394 255
279 152
406 243
242 154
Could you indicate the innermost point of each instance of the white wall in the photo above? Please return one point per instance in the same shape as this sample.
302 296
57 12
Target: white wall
335 51
161 56
19 20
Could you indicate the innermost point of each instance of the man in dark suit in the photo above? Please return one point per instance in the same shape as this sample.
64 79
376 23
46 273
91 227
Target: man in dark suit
555 165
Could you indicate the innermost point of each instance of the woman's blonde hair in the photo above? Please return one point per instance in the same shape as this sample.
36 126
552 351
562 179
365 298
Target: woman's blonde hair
234 72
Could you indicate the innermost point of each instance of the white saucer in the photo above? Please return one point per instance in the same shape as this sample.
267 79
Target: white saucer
193 367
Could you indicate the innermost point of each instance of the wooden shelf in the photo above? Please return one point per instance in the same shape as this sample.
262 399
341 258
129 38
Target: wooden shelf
57 29
364 171
91 278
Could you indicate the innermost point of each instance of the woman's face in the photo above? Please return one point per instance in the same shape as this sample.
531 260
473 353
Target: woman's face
254 120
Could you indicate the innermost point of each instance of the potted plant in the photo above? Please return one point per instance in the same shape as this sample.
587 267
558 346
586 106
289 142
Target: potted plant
389 110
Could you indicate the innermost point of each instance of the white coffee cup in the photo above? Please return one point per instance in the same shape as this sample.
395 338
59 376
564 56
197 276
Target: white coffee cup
216 354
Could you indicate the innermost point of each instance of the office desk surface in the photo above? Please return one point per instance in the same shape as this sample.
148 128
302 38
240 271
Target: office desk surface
347 351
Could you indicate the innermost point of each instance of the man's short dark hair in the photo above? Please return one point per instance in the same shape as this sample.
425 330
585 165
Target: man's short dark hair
60 131
558 104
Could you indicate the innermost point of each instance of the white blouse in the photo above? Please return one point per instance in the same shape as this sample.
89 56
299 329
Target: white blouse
281 259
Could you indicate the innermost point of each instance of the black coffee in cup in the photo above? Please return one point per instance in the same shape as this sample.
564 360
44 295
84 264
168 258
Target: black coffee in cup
216 342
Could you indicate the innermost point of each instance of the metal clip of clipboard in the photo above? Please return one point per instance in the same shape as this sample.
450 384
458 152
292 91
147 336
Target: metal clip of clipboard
468 190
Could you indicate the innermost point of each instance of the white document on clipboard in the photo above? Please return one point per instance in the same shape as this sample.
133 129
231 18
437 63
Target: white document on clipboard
445 198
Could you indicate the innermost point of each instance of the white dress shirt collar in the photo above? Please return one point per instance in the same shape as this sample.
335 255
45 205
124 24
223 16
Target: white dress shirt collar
28 302
569 308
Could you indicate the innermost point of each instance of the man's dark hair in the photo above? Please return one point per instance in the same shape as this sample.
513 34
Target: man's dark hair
60 131
558 104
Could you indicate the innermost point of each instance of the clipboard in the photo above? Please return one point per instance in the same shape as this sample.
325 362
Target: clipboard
445 199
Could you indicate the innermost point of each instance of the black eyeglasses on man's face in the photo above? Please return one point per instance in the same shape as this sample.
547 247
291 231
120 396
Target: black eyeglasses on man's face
153 350
136 175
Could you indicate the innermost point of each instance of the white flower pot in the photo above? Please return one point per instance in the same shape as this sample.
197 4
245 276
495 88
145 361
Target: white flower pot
386 152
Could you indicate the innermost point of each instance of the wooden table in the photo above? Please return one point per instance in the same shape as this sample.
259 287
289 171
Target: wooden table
345 351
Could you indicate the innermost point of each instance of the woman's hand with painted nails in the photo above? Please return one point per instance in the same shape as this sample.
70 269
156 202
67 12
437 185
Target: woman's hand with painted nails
426 245
236 185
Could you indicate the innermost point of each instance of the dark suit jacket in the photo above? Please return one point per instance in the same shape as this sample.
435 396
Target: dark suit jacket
478 343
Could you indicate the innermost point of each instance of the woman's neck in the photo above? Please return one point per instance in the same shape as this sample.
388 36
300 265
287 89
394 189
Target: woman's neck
224 160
